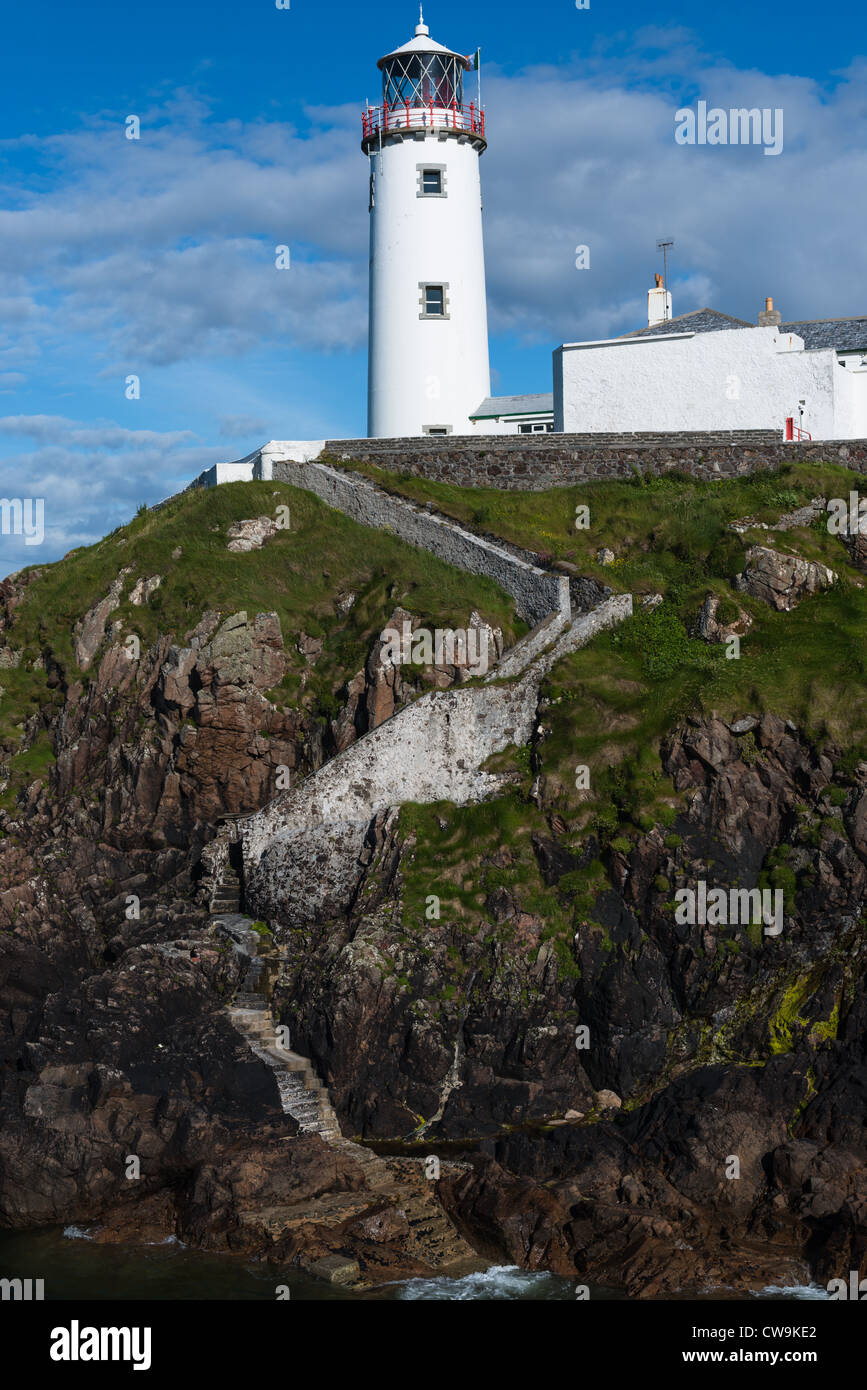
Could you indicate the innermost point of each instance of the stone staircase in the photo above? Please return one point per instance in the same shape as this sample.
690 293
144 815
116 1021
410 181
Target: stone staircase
227 895
431 1240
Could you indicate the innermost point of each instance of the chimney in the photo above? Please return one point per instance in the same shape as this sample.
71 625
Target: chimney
658 303
770 317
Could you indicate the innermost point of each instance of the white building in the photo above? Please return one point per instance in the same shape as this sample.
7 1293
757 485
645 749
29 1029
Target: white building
708 371
514 415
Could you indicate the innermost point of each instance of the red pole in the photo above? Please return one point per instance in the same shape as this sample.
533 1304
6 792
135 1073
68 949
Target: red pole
790 427
472 117
407 112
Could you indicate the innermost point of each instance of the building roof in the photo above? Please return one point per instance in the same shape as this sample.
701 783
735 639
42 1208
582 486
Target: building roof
846 335
698 321
494 406
422 43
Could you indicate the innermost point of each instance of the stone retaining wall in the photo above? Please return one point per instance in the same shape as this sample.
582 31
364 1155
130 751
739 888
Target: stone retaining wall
536 592
301 852
532 462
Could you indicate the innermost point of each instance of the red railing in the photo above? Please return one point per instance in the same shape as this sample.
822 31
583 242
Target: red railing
376 119
794 431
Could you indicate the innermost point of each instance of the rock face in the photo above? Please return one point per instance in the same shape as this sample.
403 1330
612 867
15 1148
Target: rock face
115 1041
789 521
143 588
90 633
723 1043
251 534
607 1161
112 989
712 630
782 580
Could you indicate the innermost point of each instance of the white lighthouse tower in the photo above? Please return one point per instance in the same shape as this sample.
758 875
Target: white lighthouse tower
428 352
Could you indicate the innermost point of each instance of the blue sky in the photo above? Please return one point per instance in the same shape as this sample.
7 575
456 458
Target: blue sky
156 257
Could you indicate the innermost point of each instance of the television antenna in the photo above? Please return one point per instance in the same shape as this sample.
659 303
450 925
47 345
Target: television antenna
662 245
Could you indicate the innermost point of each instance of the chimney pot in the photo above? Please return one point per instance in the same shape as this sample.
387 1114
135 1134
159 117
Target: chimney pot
769 317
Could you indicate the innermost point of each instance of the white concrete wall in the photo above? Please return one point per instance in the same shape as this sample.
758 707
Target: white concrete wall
301 450
505 424
746 378
259 465
851 415
240 472
426 371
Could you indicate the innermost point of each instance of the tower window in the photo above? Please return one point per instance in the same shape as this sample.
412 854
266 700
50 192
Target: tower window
431 180
433 301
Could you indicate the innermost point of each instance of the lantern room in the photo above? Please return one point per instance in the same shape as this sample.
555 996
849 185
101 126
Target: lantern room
423 88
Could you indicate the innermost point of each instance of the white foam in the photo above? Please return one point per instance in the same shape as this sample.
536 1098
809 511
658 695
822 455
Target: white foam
497 1282
803 1291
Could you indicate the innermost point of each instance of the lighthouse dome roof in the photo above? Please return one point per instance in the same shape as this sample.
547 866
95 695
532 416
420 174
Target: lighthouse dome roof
422 43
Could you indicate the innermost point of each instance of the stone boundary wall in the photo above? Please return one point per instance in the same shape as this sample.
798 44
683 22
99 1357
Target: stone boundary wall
532 462
431 750
536 592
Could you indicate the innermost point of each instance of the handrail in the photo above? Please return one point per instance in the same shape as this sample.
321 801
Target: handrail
382 119
794 431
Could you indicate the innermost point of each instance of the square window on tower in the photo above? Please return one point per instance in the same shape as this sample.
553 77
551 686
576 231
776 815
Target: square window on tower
434 301
432 181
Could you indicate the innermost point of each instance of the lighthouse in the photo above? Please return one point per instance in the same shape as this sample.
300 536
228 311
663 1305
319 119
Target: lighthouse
428 365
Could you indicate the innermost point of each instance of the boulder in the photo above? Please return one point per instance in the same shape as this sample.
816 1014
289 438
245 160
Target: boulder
143 588
251 534
782 580
711 629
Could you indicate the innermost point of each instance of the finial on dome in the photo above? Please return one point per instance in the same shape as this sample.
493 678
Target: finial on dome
421 29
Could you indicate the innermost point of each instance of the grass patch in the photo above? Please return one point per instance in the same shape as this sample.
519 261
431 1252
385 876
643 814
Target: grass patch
298 574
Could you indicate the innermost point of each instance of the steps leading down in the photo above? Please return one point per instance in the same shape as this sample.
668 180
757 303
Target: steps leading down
432 750
431 1239
227 896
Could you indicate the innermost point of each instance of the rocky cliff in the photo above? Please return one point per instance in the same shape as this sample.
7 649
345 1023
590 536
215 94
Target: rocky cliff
507 981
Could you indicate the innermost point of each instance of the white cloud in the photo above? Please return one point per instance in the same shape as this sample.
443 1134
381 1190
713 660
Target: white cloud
91 477
162 249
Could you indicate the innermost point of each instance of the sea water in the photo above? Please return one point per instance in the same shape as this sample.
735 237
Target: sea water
74 1266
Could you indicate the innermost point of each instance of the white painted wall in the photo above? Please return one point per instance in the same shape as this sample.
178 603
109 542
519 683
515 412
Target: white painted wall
425 371
852 396
259 464
745 378
239 472
506 424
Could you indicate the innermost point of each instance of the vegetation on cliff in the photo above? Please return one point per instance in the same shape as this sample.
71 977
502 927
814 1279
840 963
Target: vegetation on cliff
324 575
